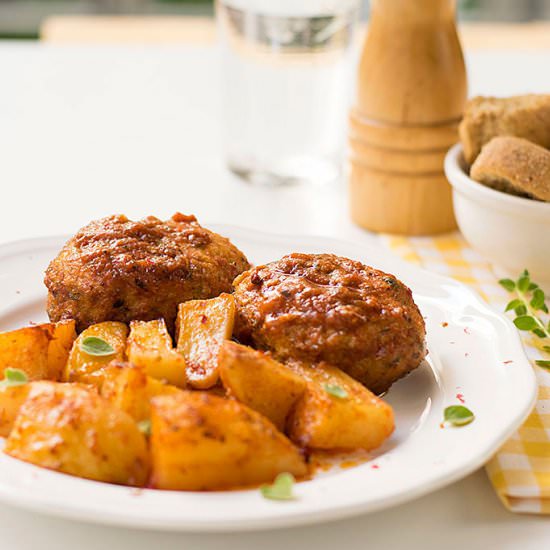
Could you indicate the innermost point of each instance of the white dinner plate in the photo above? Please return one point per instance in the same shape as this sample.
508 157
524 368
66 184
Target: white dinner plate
475 355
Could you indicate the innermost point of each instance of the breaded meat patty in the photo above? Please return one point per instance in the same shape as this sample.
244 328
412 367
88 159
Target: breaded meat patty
115 269
323 307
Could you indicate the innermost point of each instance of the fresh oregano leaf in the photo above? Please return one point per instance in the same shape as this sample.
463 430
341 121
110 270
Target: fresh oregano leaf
335 391
539 332
92 345
523 283
537 301
525 322
280 489
458 415
514 304
13 377
520 310
508 284
543 363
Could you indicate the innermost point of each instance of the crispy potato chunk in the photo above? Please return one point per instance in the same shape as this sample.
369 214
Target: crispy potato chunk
37 350
82 367
260 382
201 327
67 428
64 335
11 399
131 390
150 347
321 420
41 351
202 442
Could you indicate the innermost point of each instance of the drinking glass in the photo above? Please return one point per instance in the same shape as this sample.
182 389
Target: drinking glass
286 87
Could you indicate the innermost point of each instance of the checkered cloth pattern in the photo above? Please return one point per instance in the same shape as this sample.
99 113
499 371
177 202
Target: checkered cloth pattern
520 470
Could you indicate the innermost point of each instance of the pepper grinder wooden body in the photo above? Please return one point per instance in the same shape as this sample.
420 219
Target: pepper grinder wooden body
411 93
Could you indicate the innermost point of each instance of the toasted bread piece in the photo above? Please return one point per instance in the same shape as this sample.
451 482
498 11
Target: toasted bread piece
526 116
516 166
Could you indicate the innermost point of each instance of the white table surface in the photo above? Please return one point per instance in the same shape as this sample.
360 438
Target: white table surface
86 132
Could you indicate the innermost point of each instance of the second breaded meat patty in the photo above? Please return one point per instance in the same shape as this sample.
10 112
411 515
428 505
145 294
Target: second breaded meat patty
327 308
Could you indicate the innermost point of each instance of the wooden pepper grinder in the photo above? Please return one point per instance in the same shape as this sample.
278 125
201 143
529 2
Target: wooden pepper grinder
411 93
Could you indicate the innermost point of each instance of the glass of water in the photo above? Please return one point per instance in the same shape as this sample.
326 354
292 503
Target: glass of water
286 87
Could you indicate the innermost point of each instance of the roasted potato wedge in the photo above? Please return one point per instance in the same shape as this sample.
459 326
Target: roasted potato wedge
83 367
150 348
64 335
68 428
28 349
322 419
202 442
11 399
131 390
201 327
257 380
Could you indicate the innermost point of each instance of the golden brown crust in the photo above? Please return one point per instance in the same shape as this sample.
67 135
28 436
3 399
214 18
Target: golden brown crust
200 442
70 428
516 166
327 308
526 116
120 270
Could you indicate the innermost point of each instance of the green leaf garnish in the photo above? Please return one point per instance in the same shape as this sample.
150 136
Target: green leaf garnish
524 282
13 377
145 427
458 415
513 304
335 390
537 301
508 284
92 345
525 322
280 489
529 300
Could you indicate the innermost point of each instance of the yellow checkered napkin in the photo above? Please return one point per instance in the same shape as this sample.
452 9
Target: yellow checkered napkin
520 470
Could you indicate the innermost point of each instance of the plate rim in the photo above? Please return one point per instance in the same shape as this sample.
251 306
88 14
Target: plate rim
10 496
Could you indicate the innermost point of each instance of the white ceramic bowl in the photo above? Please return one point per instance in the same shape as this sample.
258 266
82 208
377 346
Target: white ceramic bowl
512 232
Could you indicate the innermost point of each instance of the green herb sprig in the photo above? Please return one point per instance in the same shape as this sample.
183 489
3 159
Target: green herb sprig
528 304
